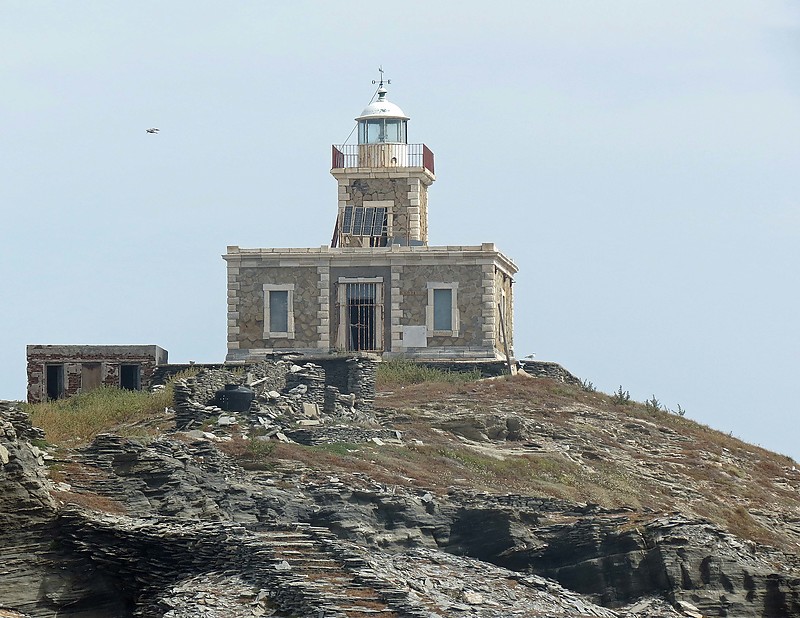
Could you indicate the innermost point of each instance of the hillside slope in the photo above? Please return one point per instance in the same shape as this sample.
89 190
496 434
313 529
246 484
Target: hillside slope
504 497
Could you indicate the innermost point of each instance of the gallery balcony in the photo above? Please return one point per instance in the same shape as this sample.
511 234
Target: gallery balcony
382 155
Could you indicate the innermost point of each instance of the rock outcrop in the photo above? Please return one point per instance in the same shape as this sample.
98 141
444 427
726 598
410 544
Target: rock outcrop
181 526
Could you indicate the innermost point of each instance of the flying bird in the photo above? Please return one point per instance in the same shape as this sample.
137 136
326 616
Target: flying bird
153 130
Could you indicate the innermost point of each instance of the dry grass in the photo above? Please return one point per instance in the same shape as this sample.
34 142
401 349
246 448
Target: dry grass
75 421
251 453
91 501
736 479
400 372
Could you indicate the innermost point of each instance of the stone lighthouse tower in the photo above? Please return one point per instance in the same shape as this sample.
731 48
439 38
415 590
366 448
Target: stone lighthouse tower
383 181
378 287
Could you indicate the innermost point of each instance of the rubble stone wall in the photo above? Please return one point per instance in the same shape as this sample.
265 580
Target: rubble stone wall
163 373
344 434
349 375
195 395
361 376
487 369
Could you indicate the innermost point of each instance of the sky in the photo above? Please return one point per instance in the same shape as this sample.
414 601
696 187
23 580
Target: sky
636 159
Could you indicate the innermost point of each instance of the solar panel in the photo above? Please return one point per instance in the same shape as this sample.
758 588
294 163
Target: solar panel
369 218
380 219
358 221
364 221
347 224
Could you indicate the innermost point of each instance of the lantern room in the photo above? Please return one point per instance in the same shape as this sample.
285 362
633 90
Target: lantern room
382 122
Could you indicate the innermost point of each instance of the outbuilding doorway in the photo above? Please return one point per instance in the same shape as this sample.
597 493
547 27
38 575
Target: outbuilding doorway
130 377
54 381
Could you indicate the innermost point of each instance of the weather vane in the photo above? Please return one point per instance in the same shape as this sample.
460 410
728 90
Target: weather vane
380 85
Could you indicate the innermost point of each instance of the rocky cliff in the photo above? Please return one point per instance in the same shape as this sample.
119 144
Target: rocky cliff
508 497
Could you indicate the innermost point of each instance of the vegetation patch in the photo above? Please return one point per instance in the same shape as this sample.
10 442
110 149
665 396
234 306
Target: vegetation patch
402 372
252 453
742 524
91 501
75 421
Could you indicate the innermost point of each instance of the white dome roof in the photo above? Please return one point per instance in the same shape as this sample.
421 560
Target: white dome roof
382 108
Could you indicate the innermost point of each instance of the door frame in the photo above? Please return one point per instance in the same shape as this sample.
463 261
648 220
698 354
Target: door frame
343 314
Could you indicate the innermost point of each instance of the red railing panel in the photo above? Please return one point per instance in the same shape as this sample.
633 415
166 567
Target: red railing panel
337 158
427 159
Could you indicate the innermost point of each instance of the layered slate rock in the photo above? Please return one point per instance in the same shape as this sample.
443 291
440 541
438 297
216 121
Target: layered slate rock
37 577
175 527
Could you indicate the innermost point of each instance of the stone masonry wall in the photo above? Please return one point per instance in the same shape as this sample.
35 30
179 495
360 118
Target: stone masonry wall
248 307
413 285
422 195
480 272
408 194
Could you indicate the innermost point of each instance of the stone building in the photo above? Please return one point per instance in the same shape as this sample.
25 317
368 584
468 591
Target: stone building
56 371
378 287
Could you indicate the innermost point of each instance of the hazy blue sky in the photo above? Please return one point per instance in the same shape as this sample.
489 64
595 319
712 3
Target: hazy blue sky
638 160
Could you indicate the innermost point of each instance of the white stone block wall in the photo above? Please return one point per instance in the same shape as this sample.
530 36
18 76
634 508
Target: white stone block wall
323 307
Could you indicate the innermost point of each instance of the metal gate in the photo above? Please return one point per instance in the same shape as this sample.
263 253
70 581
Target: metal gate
361 315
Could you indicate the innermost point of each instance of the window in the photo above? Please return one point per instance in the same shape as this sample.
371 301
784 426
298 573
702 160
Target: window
442 312
443 309
279 310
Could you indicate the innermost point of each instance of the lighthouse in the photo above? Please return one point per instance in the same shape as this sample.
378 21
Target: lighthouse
378 287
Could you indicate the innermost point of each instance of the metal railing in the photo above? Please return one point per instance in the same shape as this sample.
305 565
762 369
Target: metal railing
347 155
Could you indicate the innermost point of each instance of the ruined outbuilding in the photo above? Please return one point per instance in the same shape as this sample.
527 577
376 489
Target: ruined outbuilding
378 287
56 371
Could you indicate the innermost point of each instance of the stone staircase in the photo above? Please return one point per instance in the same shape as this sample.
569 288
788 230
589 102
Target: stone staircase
321 569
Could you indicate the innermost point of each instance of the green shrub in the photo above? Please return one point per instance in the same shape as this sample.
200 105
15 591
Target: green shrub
653 405
621 397
260 449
